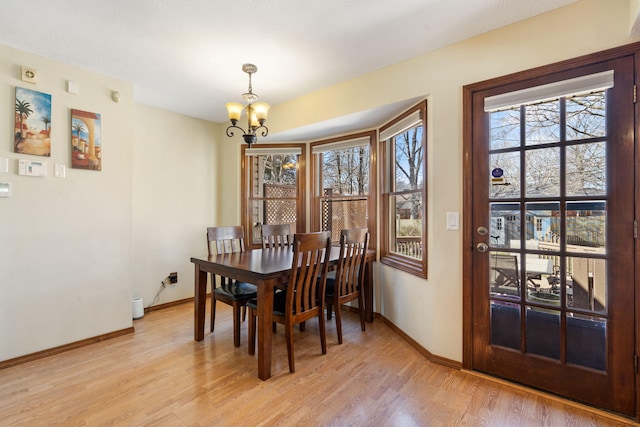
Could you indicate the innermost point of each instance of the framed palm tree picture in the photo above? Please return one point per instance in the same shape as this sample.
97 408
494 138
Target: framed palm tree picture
32 123
86 140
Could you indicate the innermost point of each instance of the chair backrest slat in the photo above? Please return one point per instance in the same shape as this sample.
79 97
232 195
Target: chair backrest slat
276 235
351 264
307 280
225 240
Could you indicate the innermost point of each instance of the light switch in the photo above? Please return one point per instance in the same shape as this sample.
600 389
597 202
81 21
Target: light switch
453 221
59 170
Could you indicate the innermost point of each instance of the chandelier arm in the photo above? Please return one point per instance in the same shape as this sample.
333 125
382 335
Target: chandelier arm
263 132
230 132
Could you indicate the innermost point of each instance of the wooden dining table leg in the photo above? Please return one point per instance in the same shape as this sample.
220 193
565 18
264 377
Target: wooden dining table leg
199 303
265 316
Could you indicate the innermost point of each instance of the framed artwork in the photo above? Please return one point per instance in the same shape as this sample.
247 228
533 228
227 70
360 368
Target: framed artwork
86 140
32 123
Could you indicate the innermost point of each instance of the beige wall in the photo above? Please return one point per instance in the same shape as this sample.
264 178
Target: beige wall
75 250
174 194
66 269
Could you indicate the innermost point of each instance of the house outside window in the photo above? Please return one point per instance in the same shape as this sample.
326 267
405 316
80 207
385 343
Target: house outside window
404 195
272 189
343 184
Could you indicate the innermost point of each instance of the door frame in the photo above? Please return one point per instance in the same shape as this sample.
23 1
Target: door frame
467 220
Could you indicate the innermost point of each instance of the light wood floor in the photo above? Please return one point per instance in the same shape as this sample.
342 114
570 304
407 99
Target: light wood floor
160 376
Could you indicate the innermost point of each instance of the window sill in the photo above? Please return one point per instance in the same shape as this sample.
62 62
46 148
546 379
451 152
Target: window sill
412 266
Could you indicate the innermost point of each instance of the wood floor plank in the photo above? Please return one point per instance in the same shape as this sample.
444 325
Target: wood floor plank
160 376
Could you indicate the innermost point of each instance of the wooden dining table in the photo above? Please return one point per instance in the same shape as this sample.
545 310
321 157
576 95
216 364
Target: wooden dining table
265 268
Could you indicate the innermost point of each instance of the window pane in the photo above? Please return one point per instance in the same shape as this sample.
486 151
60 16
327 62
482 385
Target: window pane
586 226
346 172
586 116
543 225
504 274
273 192
340 214
505 324
543 331
409 157
505 175
504 225
407 209
278 169
587 284
586 169
587 341
542 172
505 129
542 123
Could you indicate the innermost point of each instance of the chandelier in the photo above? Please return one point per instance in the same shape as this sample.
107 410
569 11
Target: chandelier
256 112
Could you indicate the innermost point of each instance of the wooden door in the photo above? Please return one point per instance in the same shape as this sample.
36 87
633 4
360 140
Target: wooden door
552 233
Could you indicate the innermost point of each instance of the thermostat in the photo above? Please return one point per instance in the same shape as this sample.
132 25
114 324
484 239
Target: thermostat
32 168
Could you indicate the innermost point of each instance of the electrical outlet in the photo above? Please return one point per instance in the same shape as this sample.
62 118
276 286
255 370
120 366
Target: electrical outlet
173 277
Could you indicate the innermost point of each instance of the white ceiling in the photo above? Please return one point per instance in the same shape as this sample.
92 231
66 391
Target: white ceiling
187 56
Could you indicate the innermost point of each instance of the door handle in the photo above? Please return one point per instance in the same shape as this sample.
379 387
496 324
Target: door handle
482 247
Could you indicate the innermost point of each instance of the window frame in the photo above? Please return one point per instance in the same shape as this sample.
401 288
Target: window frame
417 267
247 196
316 182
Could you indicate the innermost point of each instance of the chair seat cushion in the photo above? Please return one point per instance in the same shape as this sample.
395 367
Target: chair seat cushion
331 284
237 290
279 303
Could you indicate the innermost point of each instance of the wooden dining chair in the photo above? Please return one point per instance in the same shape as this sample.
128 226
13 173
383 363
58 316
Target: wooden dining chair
304 297
348 283
276 235
226 240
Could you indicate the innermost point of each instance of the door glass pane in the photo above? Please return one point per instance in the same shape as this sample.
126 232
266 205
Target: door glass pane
542 123
587 284
504 274
543 332
504 225
542 172
586 341
505 324
586 226
505 129
586 169
586 116
543 225
504 179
